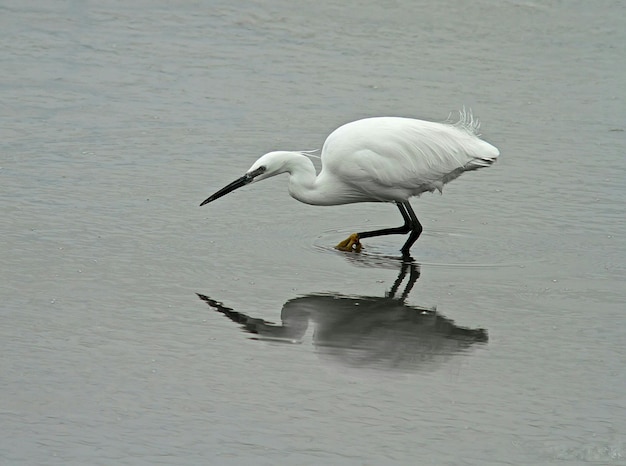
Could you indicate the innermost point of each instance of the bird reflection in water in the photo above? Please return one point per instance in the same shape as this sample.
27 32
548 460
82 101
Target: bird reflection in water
365 331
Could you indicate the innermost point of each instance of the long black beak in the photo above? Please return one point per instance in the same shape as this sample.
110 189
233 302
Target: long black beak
238 183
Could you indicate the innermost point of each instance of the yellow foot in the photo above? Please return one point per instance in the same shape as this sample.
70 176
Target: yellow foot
352 244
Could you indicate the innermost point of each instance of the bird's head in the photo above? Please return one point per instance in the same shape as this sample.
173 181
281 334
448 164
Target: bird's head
270 164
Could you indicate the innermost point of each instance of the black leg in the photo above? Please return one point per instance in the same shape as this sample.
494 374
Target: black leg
405 215
416 229
391 231
411 224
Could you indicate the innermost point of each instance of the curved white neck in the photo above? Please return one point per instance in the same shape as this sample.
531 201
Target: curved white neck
303 184
308 187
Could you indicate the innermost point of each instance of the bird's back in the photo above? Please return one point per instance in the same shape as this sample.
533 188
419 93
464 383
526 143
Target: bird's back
394 158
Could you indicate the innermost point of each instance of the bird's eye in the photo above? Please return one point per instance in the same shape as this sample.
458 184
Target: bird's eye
256 172
259 171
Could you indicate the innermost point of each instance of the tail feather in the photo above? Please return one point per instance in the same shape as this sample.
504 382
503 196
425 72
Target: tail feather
475 164
488 155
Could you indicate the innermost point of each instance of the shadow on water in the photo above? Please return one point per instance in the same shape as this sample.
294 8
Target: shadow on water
365 331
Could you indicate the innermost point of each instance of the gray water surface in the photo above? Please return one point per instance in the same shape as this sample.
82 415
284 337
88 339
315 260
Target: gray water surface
140 329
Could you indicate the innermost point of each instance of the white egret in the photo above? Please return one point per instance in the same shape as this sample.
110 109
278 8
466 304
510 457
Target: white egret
381 159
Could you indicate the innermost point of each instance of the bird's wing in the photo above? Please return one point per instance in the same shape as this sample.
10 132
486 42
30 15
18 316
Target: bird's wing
403 153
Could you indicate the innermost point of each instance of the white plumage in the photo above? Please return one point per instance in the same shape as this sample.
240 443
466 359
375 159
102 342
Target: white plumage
392 159
382 159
